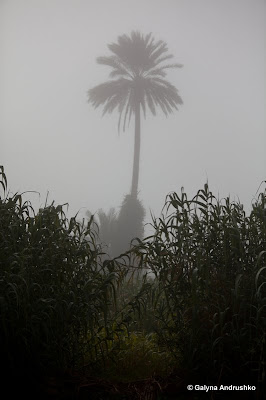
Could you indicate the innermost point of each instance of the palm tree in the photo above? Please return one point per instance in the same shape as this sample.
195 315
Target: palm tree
138 67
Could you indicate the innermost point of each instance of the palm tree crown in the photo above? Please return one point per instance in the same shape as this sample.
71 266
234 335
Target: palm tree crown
139 65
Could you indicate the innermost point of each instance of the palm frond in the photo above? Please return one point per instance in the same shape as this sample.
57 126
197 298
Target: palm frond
128 110
172 66
156 71
161 49
161 59
143 106
120 68
150 101
104 92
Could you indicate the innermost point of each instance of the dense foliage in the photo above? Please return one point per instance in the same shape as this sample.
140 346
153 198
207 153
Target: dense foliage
209 292
200 317
56 295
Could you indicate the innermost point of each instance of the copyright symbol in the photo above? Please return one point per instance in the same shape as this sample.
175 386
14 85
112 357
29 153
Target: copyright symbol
189 387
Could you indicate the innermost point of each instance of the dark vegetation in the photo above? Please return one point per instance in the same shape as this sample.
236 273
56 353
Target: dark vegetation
77 324
116 231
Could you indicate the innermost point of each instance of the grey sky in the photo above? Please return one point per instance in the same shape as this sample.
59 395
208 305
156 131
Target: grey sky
51 139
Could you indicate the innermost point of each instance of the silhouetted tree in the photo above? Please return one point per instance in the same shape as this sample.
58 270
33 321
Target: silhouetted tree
117 231
106 227
129 224
139 65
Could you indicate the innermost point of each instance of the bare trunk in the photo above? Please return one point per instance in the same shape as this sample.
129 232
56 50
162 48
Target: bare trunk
135 175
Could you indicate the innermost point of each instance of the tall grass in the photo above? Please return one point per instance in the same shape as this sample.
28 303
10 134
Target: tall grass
56 295
209 293
64 304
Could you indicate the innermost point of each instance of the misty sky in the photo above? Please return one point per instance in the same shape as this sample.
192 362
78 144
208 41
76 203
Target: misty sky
53 140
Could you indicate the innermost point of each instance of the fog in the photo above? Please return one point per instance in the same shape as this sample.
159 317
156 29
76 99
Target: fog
53 141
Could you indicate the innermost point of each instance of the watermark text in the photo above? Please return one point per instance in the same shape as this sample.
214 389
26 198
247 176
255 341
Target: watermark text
210 388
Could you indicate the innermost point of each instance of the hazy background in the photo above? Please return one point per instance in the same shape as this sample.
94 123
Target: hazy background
52 140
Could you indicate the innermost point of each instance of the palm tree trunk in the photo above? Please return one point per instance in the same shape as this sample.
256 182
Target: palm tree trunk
135 175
